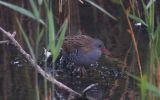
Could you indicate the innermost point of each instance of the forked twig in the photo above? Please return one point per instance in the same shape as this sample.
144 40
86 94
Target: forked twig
34 64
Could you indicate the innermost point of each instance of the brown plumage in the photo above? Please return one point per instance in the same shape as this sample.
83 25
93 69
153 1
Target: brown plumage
82 49
81 42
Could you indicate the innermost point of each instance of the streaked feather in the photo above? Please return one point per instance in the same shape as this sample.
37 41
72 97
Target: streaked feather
81 42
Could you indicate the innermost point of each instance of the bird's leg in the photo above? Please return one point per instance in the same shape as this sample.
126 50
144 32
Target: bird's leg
80 71
83 71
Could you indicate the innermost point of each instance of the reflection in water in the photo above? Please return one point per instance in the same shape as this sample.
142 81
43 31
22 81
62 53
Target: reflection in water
110 79
100 73
17 62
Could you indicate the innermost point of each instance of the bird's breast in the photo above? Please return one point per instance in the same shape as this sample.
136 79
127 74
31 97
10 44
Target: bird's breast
84 58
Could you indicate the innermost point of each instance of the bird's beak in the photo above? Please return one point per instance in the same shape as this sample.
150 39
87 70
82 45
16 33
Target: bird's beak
106 52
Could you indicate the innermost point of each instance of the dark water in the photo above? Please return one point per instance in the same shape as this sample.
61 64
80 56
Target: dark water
113 83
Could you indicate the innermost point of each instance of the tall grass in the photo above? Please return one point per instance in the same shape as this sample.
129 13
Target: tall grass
150 82
54 42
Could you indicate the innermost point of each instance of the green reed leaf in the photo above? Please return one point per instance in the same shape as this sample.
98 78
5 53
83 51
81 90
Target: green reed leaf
101 9
22 11
137 19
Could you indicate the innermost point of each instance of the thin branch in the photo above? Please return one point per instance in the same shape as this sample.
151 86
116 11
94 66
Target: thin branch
89 87
81 1
4 42
34 64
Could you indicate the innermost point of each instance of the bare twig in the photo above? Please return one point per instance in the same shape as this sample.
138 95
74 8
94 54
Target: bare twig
35 65
4 42
81 1
14 34
89 87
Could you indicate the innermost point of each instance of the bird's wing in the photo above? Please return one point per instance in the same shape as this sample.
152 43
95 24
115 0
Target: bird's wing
77 42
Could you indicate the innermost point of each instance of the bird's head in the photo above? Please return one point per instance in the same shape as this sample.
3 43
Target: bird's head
100 45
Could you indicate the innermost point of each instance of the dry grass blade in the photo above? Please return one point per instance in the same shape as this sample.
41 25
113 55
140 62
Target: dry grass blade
158 76
130 30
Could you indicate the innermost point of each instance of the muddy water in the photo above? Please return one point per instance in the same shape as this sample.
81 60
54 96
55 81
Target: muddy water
113 84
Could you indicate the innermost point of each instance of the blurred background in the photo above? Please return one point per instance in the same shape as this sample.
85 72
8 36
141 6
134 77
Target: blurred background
20 81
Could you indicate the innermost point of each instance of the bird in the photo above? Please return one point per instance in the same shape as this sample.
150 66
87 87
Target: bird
79 51
83 50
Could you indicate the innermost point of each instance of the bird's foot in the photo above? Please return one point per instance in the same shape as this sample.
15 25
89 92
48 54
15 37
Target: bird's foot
81 71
